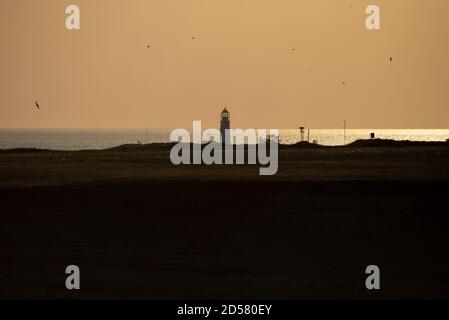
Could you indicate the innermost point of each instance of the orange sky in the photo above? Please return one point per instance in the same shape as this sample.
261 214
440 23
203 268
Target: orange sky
105 76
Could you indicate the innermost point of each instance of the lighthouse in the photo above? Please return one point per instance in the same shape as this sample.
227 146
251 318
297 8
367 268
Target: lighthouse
225 124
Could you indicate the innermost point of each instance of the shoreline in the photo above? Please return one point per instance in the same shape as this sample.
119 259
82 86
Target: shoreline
372 160
304 144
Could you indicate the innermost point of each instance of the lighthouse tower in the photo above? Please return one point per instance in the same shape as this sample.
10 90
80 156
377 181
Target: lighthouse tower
225 124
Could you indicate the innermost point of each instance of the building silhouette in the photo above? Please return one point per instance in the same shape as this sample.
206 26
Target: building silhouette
225 124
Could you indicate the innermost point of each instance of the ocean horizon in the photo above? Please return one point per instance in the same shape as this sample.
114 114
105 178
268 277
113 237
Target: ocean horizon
82 139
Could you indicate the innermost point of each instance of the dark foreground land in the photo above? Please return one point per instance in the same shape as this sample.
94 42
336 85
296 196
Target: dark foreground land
139 227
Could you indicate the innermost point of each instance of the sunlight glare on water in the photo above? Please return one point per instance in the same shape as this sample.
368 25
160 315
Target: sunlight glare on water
79 139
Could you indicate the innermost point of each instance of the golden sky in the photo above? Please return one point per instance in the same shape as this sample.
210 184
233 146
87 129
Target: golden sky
105 76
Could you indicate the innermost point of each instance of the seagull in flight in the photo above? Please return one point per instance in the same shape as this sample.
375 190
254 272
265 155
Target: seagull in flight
38 106
391 59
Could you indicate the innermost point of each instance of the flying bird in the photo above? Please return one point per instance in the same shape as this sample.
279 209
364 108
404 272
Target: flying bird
343 82
37 105
391 59
193 38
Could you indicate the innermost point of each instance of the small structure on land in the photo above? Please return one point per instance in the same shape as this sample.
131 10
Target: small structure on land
301 130
225 124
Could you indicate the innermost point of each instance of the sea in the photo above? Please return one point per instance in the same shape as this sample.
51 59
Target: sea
92 139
